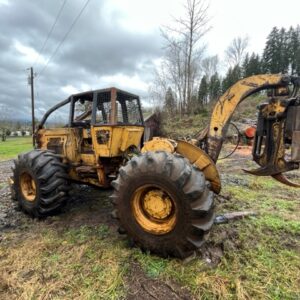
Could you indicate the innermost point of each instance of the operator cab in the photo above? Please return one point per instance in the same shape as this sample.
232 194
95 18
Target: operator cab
100 107
97 126
105 107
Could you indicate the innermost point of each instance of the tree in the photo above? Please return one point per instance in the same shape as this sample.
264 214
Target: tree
270 52
18 126
294 49
203 93
183 50
215 88
245 65
3 135
236 51
158 89
251 65
276 52
232 76
210 65
170 105
283 49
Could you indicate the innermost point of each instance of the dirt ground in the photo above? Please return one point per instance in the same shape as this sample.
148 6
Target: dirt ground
12 218
88 207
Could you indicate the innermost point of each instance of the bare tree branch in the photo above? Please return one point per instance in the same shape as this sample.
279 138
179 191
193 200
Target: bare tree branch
210 66
236 50
183 50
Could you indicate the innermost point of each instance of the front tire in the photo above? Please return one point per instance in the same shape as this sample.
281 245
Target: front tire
163 203
40 183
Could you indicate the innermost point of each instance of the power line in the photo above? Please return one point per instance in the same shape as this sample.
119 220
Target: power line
64 38
51 30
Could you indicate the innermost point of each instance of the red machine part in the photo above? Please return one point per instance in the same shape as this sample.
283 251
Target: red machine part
250 132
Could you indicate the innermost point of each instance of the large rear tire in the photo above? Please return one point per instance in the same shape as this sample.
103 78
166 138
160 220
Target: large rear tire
163 203
40 183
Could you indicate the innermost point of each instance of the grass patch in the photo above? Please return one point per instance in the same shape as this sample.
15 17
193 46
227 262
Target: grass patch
152 265
277 223
256 265
76 263
13 146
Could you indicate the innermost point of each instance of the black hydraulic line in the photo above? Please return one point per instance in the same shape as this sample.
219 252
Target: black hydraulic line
237 144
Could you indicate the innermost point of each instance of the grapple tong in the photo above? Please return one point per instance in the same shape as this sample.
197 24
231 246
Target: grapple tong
276 146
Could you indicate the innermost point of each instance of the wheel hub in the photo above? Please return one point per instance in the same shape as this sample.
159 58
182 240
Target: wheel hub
157 204
28 186
154 209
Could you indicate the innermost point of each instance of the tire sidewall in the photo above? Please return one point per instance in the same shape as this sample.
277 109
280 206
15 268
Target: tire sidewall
183 211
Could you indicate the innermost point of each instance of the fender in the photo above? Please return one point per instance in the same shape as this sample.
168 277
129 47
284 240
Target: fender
195 155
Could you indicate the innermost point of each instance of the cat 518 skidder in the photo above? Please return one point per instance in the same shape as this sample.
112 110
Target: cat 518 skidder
163 189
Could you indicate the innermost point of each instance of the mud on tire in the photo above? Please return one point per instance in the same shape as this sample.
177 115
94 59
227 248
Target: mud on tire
191 198
41 183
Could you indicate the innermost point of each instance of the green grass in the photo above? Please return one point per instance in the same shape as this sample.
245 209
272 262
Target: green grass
74 263
13 146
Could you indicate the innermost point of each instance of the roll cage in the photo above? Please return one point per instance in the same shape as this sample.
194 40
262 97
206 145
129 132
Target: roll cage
110 106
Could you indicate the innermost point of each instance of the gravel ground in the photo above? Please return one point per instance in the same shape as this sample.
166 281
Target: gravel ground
10 217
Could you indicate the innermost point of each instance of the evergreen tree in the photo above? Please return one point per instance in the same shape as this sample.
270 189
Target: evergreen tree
170 105
203 92
245 65
232 76
276 54
294 49
283 50
215 89
270 55
251 65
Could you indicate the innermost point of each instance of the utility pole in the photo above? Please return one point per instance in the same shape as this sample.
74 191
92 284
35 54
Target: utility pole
31 83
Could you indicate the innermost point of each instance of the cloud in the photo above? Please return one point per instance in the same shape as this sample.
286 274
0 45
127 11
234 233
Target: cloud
99 52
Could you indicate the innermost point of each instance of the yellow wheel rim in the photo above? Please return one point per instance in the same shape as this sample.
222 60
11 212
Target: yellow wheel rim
28 187
154 209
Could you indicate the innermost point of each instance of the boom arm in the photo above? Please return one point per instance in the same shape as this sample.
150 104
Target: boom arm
278 125
228 102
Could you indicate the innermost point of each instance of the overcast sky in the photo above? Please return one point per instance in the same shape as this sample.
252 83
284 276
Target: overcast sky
114 43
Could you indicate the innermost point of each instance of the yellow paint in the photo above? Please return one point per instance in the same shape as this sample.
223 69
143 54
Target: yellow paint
159 144
88 159
228 102
28 187
68 138
131 136
154 210
157 205
201 159
119 139
194 154
273 108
